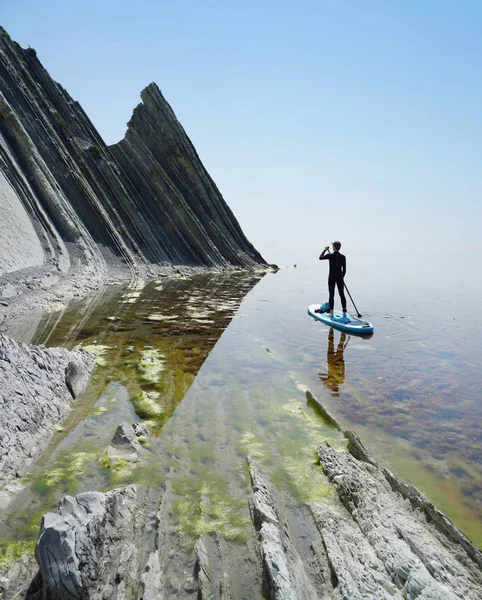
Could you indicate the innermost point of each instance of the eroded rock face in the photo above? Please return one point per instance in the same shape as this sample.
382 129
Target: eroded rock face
284 569
193 223
38 386
94 546
148 198
385 534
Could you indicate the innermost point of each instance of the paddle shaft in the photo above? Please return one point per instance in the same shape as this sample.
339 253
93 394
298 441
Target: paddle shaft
357 311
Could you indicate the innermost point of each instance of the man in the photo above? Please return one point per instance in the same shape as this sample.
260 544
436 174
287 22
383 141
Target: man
336 275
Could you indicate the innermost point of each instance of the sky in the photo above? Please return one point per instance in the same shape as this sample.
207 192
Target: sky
318 120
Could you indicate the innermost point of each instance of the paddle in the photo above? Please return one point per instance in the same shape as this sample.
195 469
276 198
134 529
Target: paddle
357 311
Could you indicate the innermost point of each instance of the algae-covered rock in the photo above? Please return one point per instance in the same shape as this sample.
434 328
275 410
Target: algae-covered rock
126 448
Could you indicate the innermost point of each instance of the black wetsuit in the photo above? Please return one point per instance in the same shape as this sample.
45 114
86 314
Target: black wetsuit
335 277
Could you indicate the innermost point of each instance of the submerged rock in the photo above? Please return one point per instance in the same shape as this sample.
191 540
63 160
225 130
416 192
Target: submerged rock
211 568
38 386
126 445
376 538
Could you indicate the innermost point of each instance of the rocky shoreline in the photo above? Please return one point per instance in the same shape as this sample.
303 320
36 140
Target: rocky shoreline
382 538
38 388
78 215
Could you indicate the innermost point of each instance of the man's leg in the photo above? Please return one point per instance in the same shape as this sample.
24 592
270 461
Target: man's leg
331 290
341 290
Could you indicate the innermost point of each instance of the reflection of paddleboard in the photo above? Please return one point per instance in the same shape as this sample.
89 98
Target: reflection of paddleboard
349 323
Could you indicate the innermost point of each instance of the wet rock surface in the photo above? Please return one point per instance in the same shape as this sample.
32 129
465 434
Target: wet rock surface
212 569
377 541
284 570
126 445
37 390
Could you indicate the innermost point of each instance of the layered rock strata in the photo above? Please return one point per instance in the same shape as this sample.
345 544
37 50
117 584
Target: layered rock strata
284 570
376 538
95 547
388 527
381 546
38 387
146 199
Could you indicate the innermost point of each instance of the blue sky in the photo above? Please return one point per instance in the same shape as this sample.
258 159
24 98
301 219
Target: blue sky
358 121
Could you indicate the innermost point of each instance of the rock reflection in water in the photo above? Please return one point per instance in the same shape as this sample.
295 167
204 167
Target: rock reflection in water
150 344
154 338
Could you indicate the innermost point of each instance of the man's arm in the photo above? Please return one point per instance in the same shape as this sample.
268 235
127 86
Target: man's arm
323 255
343 267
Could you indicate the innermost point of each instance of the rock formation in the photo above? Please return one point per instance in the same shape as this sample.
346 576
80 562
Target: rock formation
126 445
93 547
284 570
382 540
146 199
38 386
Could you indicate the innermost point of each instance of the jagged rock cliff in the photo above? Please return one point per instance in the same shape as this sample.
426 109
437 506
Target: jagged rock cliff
146 199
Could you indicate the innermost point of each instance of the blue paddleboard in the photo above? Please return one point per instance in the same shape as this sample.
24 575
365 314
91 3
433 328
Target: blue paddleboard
350 324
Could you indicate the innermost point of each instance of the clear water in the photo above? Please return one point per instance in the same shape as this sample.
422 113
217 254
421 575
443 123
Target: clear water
217 366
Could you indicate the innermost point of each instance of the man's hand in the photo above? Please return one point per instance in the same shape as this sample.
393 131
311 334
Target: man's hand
327 247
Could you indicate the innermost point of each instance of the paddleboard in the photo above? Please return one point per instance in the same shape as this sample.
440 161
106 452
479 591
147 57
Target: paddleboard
350 324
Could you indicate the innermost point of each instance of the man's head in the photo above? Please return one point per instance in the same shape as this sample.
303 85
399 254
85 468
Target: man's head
336 246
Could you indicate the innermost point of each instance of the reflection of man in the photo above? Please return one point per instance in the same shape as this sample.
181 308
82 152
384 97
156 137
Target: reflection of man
336 364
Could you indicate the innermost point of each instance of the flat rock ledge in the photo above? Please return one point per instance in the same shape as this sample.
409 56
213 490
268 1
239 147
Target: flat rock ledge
38 386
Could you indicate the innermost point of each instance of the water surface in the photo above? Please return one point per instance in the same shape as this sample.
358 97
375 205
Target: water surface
217 367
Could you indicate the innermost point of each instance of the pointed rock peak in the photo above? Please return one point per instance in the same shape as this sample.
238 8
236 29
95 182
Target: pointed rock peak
154 102
152 90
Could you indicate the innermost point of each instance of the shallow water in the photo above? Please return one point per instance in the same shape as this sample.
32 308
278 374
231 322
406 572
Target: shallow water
217 366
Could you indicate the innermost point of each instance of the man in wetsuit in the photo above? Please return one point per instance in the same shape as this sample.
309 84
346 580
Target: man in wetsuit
336 275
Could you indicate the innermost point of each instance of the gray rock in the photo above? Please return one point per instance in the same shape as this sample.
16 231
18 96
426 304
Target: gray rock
49 281
77 377
9 291
147 199
95 547
211 568
285 573
391 534
34 396
15 581
358 572
125 444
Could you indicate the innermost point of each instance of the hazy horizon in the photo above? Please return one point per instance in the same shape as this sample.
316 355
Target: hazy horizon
316 121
